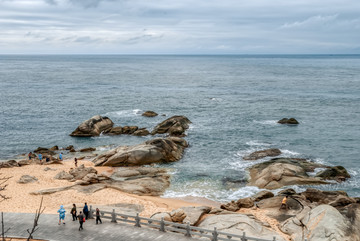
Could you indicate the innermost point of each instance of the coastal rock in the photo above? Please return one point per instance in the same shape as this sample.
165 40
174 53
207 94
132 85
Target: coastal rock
63 175
280 172
88 149
333 198
49 169
152 151
237 224
81 171
54 148
44 151
23 162
160 215
115 131
91 178
51 190
287 192
290 121
27 179
141 132
129 130
338 173
175 126
9 164
149 113
93 126
177 215
262 195
231 206
261 154
194 214
247 202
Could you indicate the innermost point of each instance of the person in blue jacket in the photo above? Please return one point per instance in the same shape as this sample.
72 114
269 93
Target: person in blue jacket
86 211
60 157
61 212
40 158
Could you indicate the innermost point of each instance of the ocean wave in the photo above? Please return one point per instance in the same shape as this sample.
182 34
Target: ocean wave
124 113
266 122
289 153
257 143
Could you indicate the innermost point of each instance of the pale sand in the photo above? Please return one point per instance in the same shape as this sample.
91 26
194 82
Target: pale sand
23 202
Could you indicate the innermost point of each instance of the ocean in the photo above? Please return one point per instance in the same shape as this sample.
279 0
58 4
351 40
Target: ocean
233 102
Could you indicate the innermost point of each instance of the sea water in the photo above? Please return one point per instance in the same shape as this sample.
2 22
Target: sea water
234 103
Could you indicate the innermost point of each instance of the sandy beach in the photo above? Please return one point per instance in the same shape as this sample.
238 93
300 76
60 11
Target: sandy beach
23 202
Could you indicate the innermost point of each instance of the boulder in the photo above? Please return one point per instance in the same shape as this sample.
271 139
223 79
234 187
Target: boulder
153 151
280 172
129 130
287 192
9 164
247 202
27 179
333 198
237 224
68 148
51 190
93 126
159 216
63 175
44 151
262 195
115 131
81 171
141 132
231 206
88 149
261 154
290 121
91 178
338 173
49 169
174 126
194 214
54 148
23 162
149 113
177 215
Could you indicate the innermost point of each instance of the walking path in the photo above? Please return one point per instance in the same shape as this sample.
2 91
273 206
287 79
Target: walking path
50 230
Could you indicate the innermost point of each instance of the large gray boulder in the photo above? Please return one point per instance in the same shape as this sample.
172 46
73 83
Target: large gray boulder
27 179
333 198
280 172
237 224
261 154
81 171
153 151
174 126
93 126
63 175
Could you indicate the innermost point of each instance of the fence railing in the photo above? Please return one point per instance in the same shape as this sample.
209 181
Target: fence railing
164 226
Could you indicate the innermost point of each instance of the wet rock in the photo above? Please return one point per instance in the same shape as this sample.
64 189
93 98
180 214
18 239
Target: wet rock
174 126
149 113
88 149
54 148
261 154
333 198
115 131
152 151
262 195
128 130
247 202
68 148
290 121
141 132
63 175
338 173
44 151
93 126
27 179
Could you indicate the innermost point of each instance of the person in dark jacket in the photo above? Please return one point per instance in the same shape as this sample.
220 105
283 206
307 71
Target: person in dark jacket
81 220
73 212
86 211
98 219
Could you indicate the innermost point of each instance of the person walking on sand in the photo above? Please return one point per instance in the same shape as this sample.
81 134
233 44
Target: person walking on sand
81 220
40 158
98 219
86 211
60 156
61 212
73 212
75 161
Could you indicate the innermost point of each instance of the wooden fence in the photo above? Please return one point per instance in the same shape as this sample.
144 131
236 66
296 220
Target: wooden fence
164 226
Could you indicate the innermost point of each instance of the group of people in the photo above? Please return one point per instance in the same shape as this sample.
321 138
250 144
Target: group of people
83 215
47 158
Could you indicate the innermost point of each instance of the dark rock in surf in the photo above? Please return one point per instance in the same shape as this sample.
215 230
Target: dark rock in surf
93 126
149 113
261 154
291 121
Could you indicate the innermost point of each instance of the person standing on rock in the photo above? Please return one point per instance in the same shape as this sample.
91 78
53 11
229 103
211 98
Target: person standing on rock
283 203
98 219
40 158
86 211
61 212
75 161
73 212
81 220
60 156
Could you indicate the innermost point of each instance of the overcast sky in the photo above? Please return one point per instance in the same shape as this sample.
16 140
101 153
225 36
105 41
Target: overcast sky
179 27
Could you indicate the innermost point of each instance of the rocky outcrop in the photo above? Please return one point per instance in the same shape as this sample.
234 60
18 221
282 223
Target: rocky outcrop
9 164
290 121
63 175
191 215
27 179
333 198
93 126
81 171
128 130
44 151
338 173
174 126
141 132
261 154
88 149
262 195
237 224
280 172
149 113
153 151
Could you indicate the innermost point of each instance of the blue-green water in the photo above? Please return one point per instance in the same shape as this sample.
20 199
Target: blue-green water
233 102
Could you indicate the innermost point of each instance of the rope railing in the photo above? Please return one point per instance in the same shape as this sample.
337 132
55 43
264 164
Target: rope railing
163 226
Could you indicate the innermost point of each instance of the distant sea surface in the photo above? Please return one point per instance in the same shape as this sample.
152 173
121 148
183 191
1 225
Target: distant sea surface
233 102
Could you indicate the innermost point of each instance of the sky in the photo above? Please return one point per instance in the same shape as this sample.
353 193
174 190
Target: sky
179 27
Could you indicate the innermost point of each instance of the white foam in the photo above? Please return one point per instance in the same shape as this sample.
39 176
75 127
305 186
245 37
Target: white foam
266 122
257 143
289 153
124 113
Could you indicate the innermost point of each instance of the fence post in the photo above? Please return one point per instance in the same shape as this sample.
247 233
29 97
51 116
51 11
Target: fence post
274 239
137 220
188 231
113 216
244 237
215 235
162 225
91 216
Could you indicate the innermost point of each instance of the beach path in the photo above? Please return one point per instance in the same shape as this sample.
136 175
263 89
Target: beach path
50 230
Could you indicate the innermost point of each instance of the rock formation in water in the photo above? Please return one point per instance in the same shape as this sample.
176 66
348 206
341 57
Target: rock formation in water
174 126
93 126
261 154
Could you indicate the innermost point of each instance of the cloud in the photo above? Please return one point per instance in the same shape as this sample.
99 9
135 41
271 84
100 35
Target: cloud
311 22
